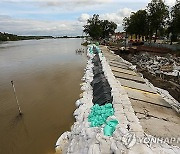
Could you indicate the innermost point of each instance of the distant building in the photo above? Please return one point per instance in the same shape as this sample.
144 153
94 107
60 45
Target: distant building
118 36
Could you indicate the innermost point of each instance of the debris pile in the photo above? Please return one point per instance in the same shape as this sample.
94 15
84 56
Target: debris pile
156 65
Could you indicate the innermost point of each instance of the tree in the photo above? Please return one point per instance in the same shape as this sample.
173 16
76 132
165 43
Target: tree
127 26
107 28
175 13
141 22
174 23
157 15
136 24
97 28
93 27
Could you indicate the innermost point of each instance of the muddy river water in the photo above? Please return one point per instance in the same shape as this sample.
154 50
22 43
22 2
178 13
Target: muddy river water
46 74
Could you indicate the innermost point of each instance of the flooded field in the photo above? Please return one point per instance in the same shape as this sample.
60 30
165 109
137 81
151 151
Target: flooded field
46 74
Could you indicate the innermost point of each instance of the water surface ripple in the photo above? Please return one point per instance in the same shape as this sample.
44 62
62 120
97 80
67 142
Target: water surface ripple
47 74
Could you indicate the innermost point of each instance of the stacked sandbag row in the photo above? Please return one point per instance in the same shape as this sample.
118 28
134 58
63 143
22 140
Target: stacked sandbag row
100 85
102 99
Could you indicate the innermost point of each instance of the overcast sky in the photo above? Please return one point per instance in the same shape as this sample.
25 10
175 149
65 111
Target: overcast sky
62 17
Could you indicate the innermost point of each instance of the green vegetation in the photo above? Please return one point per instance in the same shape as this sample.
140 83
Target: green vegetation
12 37
157 15
99 29
155 20
65 36
136 24
174 23
85 43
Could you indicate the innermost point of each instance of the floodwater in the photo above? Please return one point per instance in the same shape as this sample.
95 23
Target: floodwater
46 74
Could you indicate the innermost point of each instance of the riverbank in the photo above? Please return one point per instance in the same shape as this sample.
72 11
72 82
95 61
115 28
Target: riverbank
83 138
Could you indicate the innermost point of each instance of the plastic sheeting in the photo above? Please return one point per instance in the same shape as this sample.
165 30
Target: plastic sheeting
101 87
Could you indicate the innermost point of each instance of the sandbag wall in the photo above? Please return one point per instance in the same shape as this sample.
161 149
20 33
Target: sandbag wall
101 88
102 109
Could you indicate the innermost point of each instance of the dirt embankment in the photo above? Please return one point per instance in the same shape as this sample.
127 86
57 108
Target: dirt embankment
162 70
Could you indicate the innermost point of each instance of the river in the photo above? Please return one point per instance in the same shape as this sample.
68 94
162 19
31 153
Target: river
46 74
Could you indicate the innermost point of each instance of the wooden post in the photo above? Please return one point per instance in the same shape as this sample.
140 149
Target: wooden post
14 90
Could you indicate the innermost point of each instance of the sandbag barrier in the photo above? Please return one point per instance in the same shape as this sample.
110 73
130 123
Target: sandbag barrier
102 98
84 138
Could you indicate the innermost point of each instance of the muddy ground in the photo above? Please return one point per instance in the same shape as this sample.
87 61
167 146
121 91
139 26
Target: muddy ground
167 82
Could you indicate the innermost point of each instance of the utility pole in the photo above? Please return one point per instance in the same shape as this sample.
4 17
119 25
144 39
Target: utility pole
14 90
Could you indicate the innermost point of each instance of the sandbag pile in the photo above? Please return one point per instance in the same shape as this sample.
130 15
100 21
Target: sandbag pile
167 64
102 98
99 114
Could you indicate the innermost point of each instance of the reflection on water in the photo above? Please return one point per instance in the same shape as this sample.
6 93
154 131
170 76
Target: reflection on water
47 74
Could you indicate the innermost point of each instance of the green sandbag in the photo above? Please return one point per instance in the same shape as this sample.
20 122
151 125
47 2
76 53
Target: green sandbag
112 123
108 130
110 127
108 105
99 114
91 49
97 43
96 46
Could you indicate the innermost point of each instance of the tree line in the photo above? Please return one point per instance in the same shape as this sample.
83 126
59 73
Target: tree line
157 19
12 37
